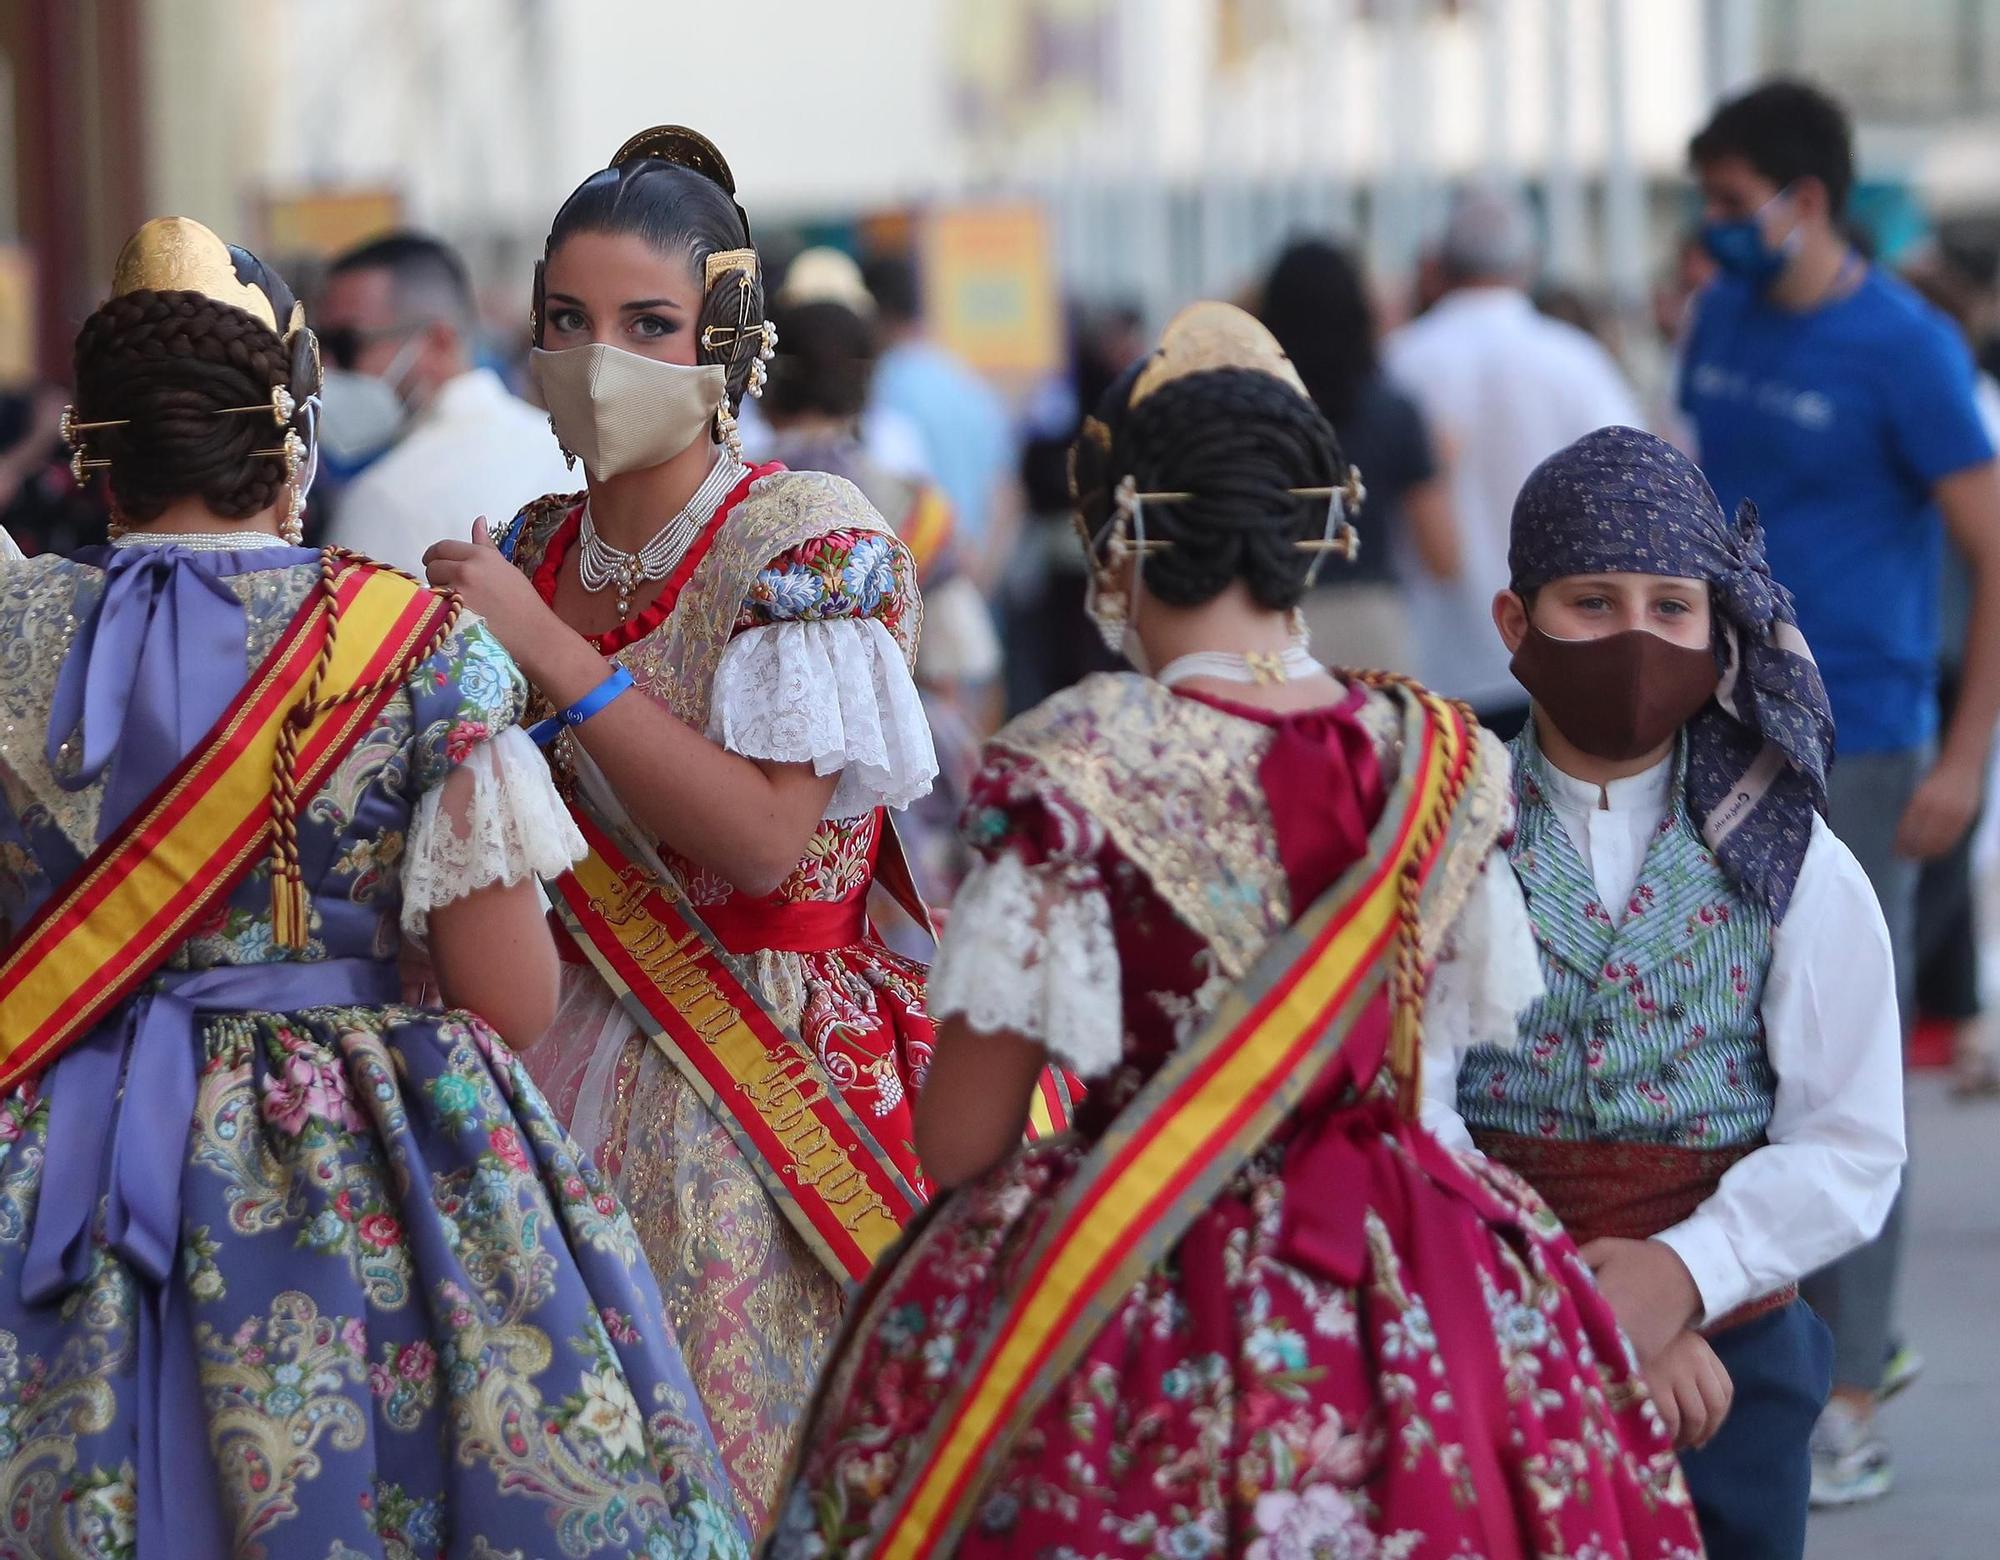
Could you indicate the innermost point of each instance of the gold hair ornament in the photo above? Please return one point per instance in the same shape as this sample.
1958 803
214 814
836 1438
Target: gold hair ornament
178 254
681 146
723 261
1207 336
689 149
726 339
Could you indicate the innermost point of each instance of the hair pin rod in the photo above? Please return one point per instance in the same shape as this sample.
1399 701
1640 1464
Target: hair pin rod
1178 498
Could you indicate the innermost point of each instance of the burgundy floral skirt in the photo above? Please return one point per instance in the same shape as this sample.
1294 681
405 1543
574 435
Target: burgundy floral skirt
1366 1346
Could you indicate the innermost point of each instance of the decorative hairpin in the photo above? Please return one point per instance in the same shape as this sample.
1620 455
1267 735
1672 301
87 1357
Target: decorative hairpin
726 339
1341 540
293 452
281 406
73 430
767 348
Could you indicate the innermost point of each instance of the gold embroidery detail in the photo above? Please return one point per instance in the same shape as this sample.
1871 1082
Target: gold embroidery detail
676 663
1174 782
753 1309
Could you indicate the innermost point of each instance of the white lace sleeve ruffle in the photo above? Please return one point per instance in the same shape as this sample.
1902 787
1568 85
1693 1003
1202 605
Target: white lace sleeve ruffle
1489 971
516 827
836 694
1030 953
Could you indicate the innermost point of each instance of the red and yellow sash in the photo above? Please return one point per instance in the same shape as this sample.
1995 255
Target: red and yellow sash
828 1176
1196 1122
1051 1108
195 838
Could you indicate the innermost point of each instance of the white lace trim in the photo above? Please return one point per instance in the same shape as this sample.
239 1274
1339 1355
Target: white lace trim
516 827
1489 971
836 695
1028 953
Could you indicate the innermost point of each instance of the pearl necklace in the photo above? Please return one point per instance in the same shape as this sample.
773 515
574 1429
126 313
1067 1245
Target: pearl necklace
201 541
1264 666
600 566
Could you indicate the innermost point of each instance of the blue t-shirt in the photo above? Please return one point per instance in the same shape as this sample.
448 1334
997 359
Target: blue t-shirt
1838 423
964 425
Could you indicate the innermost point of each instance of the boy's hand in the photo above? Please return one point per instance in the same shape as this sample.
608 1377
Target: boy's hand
1650 1290
1691 1390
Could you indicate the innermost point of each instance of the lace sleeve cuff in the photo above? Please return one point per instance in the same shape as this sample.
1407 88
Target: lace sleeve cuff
835 694
1490 970
1029 951
515 827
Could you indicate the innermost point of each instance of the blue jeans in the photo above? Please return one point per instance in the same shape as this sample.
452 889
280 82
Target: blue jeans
1752 1482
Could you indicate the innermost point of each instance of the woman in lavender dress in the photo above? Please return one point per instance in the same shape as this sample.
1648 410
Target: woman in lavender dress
289 1269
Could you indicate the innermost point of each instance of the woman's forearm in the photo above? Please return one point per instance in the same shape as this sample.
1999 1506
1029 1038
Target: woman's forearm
974 1107
748 821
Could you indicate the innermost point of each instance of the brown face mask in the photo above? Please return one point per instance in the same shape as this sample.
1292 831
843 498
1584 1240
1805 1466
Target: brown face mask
1619 697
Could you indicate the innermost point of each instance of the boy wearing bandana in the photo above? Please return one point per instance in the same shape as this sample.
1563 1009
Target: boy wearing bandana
1709 1095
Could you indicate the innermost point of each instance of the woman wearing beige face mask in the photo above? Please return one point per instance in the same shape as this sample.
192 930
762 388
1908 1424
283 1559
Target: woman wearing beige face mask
723 654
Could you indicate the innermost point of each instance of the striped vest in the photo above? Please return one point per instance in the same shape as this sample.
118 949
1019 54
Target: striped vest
1652 1028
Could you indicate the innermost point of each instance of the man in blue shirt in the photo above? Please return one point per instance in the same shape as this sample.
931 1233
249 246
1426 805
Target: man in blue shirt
1843 405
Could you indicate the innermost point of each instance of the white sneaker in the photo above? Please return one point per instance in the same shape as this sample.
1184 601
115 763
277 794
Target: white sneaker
1850 1463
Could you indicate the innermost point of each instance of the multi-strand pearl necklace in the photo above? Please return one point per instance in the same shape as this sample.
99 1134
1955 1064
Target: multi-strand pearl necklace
600 566
201 541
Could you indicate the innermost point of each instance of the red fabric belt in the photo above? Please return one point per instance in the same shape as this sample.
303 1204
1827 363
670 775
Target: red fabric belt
752 926
1628 1190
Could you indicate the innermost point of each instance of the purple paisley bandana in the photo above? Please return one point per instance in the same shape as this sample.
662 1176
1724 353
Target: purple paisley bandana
1624 501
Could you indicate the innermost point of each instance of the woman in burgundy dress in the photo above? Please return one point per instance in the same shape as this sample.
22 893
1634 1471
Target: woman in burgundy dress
1249 1307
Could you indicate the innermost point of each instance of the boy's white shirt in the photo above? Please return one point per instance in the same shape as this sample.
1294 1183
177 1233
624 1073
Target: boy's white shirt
1825 1180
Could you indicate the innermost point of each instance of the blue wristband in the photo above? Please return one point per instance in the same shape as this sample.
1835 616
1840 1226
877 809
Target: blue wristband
543 732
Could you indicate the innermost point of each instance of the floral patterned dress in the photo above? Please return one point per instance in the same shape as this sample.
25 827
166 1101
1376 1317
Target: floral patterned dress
787 633
960 656
385 1309
1363 1346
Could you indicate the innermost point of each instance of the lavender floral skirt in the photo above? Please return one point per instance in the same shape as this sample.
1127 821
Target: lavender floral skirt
402 1318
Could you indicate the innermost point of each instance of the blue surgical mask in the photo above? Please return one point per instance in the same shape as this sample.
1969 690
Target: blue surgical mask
1739 247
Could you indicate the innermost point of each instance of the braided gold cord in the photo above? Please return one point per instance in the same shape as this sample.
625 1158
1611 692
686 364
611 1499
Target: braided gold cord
1406 980
288 890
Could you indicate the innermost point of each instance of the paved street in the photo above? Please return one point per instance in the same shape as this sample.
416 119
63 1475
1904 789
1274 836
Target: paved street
1945 1429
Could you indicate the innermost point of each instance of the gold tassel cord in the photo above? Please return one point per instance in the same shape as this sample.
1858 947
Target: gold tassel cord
290 918
1407 979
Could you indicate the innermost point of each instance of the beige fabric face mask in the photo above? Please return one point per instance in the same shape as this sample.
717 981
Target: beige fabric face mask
620 412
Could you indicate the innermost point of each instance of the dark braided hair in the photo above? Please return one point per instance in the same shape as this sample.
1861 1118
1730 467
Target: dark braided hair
1236 439
166 364
687 215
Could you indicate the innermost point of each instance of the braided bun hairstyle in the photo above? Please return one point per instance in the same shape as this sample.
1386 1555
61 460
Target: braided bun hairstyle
683 213
167 364
1237 440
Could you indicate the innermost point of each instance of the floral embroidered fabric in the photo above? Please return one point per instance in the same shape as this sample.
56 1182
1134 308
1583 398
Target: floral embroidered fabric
409 1318
802 575
1432 1373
